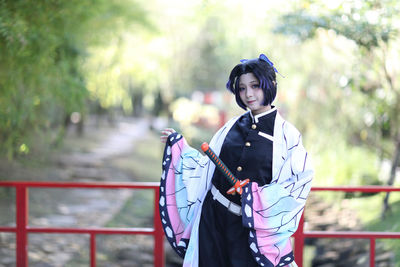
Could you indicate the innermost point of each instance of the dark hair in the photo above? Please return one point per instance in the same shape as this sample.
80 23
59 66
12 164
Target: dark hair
264 72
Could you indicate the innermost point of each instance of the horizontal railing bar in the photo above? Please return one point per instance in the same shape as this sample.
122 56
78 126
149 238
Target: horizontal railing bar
8 229
102 230
155 185
133 185
350 234
109 230
365 189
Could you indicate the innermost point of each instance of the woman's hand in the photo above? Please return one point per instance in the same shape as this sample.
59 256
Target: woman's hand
165 133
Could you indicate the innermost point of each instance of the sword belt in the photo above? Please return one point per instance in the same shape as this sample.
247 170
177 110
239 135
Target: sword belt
231 206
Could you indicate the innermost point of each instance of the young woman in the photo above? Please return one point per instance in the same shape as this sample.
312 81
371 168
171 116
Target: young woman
209 227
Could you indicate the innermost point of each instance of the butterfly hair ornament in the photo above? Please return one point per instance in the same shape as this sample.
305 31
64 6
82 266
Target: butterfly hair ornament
266 59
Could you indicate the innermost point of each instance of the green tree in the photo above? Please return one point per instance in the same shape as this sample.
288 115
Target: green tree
42 47
370 26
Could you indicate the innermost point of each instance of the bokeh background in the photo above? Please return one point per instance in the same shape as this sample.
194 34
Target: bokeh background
86 86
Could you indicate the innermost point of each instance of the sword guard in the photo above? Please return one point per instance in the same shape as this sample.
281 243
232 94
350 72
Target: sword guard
238 187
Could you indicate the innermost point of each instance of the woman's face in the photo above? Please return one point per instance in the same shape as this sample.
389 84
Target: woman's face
251 94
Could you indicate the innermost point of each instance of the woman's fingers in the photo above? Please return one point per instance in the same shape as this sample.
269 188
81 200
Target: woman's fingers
170 130
165 133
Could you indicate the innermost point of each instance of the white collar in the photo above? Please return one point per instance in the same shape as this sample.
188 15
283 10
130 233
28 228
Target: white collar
256 117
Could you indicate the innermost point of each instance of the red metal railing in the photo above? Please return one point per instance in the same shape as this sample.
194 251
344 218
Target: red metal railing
301 235
22 228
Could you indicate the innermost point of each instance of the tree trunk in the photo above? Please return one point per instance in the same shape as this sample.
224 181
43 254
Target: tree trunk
395 163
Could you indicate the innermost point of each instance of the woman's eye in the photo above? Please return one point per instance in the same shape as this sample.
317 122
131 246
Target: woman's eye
254 86
241 89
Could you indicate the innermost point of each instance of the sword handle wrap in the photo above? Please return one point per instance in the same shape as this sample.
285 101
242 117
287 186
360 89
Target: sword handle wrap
220 165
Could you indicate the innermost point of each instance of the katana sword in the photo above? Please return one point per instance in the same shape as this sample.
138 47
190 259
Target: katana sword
237 184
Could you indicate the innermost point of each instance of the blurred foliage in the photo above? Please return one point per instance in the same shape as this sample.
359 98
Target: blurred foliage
340 164
367 23
42 46
354 83
339 60
195 46
61 57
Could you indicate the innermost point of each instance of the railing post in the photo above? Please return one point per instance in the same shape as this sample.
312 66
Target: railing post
92 250
372 252
299 243
159 258
22 222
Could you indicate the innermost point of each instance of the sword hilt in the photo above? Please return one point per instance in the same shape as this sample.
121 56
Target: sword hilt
220 165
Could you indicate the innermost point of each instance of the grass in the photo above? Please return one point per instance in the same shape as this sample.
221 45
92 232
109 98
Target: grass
145 163
136 212
369 209
7 206
309 252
